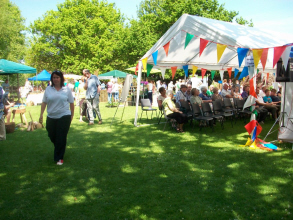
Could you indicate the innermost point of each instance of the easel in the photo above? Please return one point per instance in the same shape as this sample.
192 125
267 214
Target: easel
124 95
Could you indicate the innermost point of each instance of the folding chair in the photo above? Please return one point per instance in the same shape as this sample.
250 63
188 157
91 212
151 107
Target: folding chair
197 116
218 110
188 113
168 120
207 111
146 106
240 110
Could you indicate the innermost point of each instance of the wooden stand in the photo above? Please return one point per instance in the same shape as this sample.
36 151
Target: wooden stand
20 111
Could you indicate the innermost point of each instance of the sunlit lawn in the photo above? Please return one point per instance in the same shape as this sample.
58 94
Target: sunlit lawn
127 172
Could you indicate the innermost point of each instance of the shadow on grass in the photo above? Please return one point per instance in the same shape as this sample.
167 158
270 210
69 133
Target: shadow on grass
125 172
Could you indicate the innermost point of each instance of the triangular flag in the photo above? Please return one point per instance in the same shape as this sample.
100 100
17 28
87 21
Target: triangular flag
220 50
166 48
202 45
136 68
236 71
188 39
177 38
249 102
185 68
229 71
203 72
285 56
264 57
163 70
268 75
250 126
256 56
194 69
149 68
252 90
173 68
144 63
278 51
254 134
244 73
222 74
241 54
213 74
155 57
257 70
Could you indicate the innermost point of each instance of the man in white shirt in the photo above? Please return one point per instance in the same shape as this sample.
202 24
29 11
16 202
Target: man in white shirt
158 85
227 93
171 86
262 91
180 95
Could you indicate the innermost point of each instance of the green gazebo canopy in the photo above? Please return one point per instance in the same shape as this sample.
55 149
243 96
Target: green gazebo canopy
114 74
9 67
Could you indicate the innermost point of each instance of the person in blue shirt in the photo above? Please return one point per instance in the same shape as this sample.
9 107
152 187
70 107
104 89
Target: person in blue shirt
276 99
103 86
204 96
92 86
267 98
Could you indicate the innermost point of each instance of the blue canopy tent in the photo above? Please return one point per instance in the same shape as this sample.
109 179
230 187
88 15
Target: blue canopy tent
42 76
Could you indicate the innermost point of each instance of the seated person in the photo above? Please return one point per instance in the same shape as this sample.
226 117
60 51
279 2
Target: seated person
172 112
267 98
210 91
8 105
180 95
195 99
188 92
204 96
161 97
237 94
275 98
245 92
272 108
262 92
227 93
216 95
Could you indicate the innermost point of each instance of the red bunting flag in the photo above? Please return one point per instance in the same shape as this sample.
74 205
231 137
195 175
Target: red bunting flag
136 68
251 125
268 75
166 48
229 71
202 45
264 57
252 90
278 51
203 72
173 68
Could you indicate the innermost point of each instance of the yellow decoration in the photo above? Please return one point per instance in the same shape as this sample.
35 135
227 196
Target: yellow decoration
248 142
220 50
144 63
253 146
194 69
256 56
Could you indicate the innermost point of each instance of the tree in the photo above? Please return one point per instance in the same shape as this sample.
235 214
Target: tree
12 39
80 34
155 17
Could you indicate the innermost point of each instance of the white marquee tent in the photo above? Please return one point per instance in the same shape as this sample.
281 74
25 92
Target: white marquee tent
216 32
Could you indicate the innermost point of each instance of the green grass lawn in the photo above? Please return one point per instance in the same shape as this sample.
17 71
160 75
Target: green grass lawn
127 172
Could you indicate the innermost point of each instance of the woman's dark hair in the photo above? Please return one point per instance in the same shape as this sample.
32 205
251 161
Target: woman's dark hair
60 74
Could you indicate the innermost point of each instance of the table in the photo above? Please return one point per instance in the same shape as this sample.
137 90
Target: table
21 112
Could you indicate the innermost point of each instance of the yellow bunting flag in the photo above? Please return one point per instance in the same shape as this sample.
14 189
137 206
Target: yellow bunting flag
194 69
256 56
220 50
144 63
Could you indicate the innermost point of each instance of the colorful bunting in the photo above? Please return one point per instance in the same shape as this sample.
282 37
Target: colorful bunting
213 74
166 48
285 56
203 72
194 69
241 54
244 73
268 75
144 63
188 39
163 70
236 71
249 102
136 68
278 51
252 90
257 53
229 71
220 50
173 68
222 74
250 126
177 38
185 68
202 45
155 57
264 57
149 68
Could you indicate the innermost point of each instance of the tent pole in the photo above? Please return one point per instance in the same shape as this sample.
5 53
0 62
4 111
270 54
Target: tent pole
137 91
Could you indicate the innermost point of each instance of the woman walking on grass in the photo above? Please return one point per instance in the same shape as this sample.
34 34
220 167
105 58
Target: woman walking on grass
58 98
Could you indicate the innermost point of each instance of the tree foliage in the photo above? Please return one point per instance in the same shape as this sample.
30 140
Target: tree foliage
12 39
80 34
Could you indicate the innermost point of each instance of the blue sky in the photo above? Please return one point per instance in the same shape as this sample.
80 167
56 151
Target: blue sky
273 15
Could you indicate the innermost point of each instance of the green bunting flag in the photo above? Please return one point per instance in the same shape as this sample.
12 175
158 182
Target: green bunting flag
149 68
188 39
213 74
